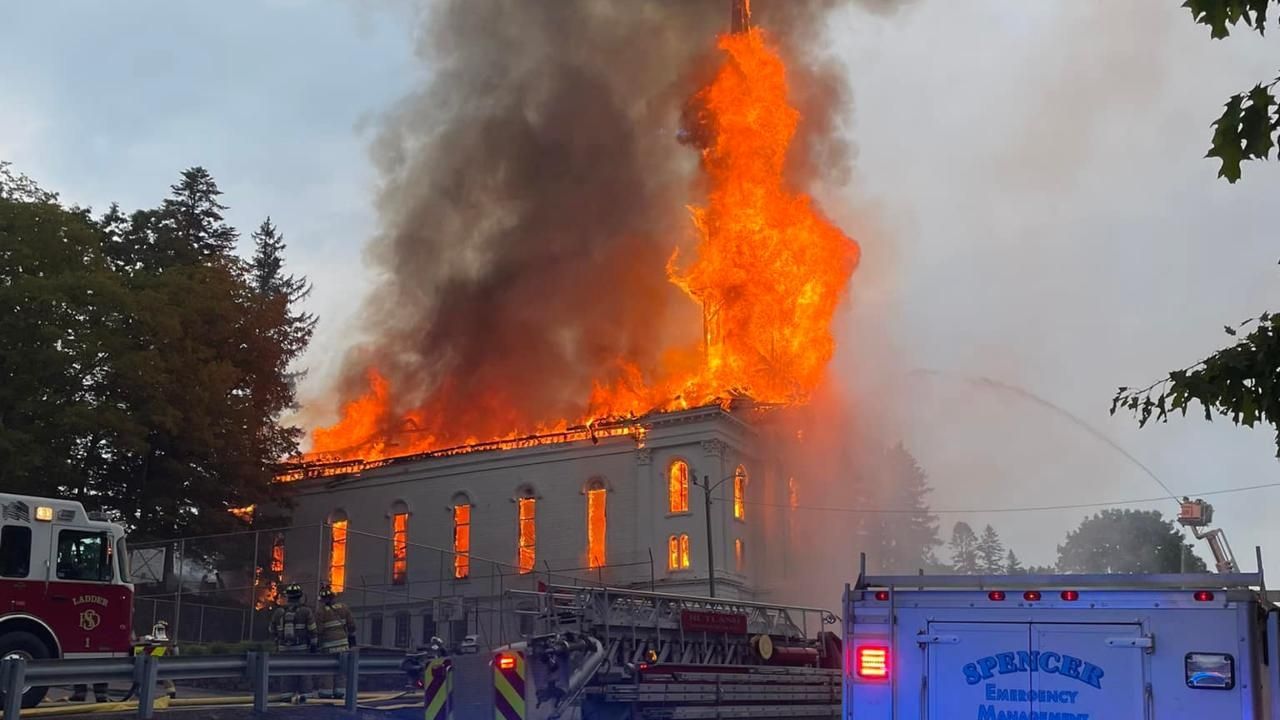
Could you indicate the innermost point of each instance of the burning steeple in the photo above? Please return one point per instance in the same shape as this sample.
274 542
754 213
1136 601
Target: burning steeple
740 17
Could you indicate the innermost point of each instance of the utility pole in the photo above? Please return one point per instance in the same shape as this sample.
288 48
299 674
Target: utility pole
711 555
708 488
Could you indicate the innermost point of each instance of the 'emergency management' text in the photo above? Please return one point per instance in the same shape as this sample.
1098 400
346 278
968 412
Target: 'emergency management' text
1033 661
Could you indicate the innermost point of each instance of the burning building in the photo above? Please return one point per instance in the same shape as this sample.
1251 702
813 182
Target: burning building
426 545
533 402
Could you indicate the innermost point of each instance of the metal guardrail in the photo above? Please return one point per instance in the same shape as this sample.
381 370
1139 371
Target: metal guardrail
146 671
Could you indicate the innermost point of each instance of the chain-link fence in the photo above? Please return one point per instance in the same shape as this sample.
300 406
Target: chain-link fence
223 588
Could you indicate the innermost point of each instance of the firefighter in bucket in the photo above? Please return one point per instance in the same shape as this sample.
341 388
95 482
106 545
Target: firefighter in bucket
337 635
294 629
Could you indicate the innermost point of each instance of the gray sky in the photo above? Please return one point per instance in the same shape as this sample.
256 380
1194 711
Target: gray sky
1029 192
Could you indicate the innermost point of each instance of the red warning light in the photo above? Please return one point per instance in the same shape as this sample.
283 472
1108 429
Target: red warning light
882 595
1203 596
1031 596
506 662
996 595
1070 595
873 662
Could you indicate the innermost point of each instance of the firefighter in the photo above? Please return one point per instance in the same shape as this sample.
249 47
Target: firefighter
337 635
294 629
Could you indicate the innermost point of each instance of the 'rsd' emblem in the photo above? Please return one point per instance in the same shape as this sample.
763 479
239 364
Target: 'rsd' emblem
89 620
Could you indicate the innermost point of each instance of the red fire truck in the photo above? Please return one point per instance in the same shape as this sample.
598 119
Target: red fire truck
64 583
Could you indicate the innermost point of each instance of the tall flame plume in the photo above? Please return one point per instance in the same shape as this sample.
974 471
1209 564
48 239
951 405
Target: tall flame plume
769 271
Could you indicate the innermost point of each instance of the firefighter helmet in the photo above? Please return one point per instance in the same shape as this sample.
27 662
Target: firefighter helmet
327 594
293 591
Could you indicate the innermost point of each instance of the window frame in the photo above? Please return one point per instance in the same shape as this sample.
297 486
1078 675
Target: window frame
107 548
740 493
526 543
678 555
4 543
400 547
339 524
402 629
597 557
462 540
672 508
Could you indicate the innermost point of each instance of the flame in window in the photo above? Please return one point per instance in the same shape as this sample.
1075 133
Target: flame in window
737 554
461 541
678 552
528 532
399 548
338 556
740 493
596 527
678 487
277 554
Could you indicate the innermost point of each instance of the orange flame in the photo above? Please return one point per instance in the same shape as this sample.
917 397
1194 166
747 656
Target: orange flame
769 272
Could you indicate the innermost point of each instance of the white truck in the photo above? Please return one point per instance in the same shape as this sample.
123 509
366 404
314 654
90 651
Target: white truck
1061 647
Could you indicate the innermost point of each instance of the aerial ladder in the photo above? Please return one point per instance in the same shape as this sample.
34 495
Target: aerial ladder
608 653
1197 515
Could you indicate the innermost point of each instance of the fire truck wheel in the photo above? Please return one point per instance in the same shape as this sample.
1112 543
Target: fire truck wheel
25 645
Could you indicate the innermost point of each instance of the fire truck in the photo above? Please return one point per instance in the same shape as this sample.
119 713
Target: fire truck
64 583
625 654
1065 647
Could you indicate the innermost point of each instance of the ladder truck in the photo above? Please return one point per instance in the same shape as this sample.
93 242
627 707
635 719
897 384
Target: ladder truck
64 583
606 653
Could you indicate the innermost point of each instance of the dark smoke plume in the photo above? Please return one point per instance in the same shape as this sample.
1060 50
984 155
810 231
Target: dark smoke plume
533 190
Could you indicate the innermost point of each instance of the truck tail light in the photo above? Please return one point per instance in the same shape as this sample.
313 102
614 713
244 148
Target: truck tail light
872 662
1203 596
882 595
1031 596
506 662
1070 595
996 595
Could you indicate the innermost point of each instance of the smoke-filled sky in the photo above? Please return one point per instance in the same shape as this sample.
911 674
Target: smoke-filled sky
1025 180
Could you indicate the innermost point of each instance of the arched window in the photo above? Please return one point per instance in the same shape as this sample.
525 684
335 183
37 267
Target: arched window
678 487
740 493
375 629
399 543
738 555
678 552
527 532
338 551
462 539
596 524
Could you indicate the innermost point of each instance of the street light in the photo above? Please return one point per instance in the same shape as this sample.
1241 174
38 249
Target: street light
708 488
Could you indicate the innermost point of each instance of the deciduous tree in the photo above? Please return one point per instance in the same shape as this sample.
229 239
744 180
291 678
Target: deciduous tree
1242 381
1127 541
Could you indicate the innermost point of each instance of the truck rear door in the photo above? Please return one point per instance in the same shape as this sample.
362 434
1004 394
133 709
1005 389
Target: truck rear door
1007 671
1093 671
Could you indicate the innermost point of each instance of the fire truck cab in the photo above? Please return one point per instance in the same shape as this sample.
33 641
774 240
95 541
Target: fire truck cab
64 583
1061 647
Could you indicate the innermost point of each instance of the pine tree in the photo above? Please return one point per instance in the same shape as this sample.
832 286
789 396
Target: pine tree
964 549
905 540
1011 564
191 220
990 552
